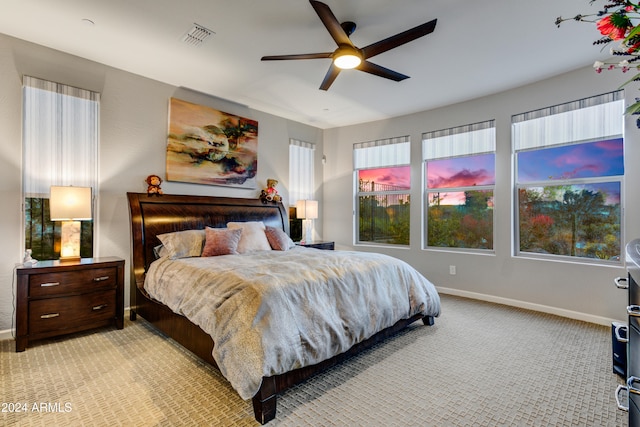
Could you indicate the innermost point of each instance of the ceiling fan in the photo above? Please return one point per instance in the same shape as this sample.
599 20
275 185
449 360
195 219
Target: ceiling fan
347 55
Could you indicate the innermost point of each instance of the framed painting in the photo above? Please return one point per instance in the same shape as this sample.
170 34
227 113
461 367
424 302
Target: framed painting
207 146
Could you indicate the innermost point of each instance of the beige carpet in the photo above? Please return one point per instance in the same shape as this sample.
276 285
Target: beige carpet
480 365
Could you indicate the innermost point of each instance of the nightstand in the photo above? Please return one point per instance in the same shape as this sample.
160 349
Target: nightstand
56 298
318 244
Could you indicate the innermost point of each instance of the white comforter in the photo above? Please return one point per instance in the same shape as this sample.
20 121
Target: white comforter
270 312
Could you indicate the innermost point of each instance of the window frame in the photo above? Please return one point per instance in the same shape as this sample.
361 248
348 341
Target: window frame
374 155
455 143
65 159
609 132
302 157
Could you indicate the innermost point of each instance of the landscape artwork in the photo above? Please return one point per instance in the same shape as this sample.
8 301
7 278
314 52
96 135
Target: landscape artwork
207 146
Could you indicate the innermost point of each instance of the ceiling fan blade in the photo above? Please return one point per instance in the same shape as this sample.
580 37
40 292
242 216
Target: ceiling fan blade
297 56
399 39
331 22
330 77
371 68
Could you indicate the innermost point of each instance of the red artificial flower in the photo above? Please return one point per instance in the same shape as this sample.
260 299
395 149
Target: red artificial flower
608 28
634 48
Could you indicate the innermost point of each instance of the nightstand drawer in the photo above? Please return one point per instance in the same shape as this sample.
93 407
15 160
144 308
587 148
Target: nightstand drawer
69 282
59 313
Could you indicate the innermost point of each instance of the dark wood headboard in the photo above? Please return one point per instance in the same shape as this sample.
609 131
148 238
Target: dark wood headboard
154 215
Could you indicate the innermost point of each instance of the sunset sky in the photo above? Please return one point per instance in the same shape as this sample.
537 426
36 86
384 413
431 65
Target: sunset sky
602 158
399 176
461 172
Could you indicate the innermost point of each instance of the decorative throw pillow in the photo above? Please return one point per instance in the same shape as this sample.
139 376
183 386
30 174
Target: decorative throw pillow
278 239
253 238
183 244
221 241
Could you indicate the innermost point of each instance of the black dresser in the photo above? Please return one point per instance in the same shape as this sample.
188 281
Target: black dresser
633 334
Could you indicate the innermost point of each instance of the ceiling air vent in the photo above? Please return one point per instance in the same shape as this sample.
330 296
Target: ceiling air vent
197 35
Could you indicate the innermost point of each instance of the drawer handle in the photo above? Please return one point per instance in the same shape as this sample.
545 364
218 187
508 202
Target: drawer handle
633 310
101 278
46 285
618 282
620 405
99 307
49 316
630 385
617 330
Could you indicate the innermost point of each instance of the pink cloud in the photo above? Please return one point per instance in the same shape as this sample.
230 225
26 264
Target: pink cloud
463 178
397 176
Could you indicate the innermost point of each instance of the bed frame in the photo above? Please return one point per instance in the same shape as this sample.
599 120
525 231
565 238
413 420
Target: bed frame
154 215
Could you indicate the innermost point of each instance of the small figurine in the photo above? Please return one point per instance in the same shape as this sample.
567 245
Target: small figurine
28 261
153 185
270 194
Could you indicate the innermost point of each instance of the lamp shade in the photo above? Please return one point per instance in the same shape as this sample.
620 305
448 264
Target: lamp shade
70 203
307 209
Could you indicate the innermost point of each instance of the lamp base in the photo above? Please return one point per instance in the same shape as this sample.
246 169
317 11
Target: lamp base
70 241
307 230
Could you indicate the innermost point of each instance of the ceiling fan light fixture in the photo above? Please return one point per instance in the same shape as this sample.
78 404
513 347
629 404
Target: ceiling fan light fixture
347 58
346 62
348 55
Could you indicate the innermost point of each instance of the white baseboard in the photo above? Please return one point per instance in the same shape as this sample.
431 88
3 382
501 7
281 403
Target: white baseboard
7 334
531 306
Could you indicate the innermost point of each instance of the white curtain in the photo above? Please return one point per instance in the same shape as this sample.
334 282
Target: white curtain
584 120
60 136
301 171
382 153
477 138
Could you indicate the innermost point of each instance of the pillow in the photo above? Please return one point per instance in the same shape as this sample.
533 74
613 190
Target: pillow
221 241
253 238
278 239
183 244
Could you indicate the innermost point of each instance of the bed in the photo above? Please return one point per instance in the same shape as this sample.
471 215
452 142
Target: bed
153 216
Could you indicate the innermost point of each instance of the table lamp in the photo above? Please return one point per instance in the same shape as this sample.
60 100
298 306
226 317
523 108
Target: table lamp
308 211
70 205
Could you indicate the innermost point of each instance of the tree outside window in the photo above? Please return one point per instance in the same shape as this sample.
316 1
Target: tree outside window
575 211
384 205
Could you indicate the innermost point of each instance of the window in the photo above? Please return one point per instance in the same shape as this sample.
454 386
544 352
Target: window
460 180
301 181
569 176
383 182
60 147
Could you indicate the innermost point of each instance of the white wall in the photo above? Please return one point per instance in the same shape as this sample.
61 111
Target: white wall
570 289
133 132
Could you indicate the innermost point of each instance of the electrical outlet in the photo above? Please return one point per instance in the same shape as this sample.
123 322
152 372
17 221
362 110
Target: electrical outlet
452 270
